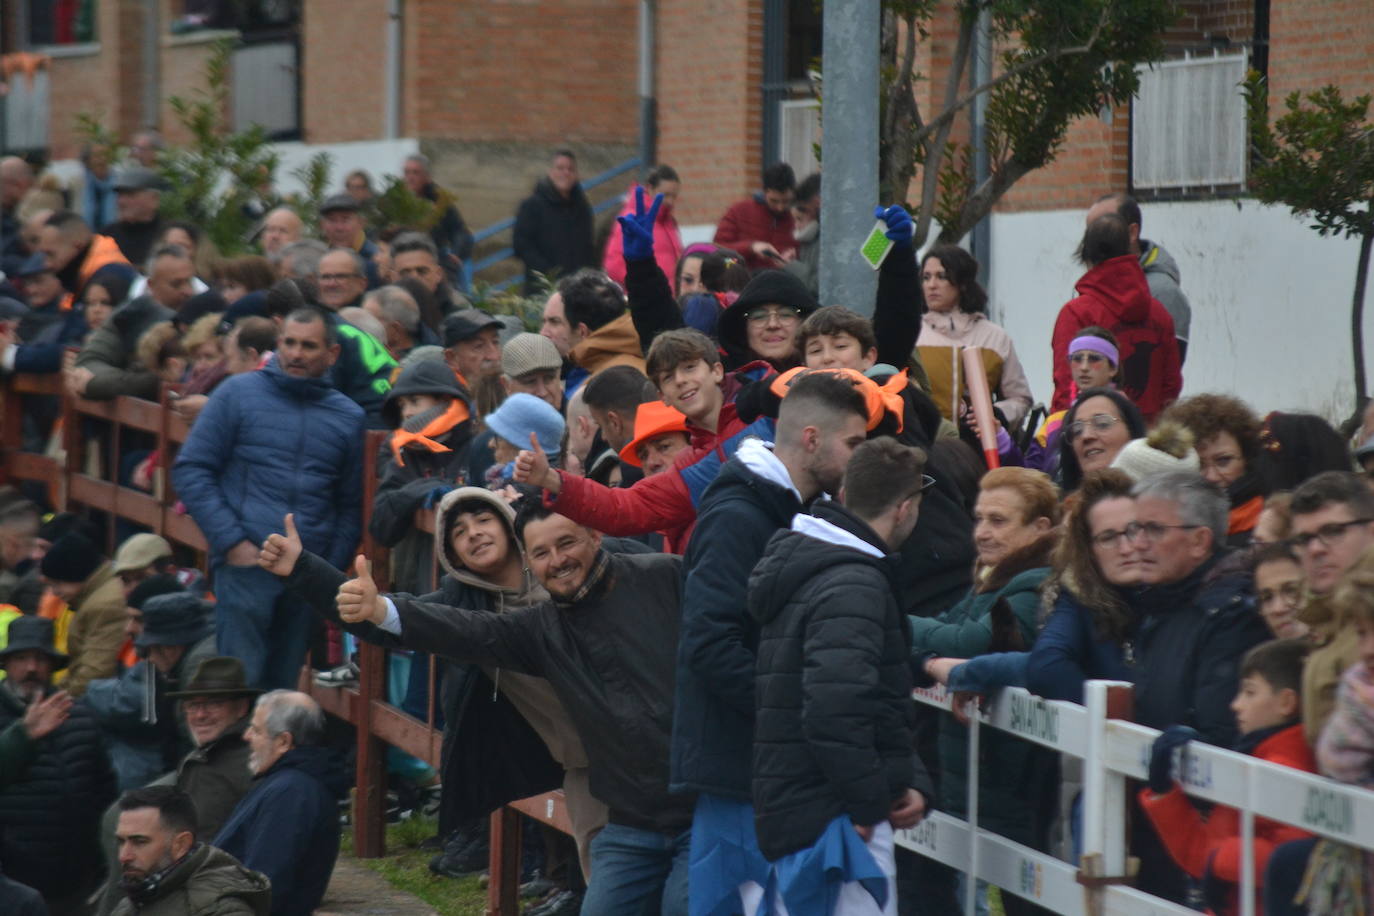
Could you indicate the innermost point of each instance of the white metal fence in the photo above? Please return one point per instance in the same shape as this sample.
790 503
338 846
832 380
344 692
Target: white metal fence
1114 750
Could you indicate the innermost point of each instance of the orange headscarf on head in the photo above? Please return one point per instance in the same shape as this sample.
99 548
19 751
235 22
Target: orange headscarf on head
879 399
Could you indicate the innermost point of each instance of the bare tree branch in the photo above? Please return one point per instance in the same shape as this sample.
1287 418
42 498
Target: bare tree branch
934 150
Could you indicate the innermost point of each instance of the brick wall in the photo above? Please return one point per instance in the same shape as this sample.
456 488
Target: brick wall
182 74
343 69
1315 42
710 74
108 83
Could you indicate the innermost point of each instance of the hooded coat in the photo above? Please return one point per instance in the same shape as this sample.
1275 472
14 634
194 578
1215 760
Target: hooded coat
768 287
497 746
208 882
833 731
553 232
268 443
97 630
1115 295
750 221
944 334
287 827
615 343
1162 274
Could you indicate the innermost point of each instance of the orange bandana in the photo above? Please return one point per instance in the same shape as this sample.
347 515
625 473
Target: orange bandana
879 400
457 413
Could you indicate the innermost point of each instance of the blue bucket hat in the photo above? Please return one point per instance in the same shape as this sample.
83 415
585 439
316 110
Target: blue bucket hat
522 414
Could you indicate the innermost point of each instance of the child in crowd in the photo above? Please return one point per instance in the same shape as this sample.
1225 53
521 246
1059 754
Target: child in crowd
1095 360
520 417
1279 590
1268 710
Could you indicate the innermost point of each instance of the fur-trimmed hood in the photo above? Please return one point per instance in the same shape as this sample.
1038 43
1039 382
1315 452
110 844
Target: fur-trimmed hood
1035 555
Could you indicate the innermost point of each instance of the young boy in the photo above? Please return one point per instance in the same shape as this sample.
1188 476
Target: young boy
1267 708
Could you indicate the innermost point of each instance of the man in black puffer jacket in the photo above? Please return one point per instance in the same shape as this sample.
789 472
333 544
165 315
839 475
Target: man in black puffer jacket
49 818
832 737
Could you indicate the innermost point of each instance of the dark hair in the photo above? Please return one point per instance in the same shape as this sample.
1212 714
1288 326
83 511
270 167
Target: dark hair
1075 565
836 319
617 388
430 315
1278 552
962 270
881 474
819 392
1096 330
779 177
809 188
308 315
251 271
530 509
257 333
114 279
1207 416
659 174
190 229
671 349
591 298
1071 475
1126 208
563 153
175 807
723 271
284 297
1296 446
1279 662
407 242
1334 487
1105 238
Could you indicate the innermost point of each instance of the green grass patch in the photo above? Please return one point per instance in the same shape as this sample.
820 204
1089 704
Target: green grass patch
406 867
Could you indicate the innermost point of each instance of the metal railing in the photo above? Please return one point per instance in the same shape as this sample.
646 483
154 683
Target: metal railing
472 268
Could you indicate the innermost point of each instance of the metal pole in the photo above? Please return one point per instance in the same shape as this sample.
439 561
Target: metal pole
391 127
152 65
849 151
982 73
648 104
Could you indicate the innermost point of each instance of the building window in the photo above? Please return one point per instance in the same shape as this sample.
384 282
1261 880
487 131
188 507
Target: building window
60 22
1188 125
799 127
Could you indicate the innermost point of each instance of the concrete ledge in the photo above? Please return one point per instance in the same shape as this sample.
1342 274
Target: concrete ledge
57 52
200 37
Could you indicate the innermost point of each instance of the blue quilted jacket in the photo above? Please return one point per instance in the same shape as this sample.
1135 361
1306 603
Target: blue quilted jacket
266 444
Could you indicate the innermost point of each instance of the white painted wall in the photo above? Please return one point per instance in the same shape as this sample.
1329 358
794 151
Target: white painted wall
379 157
1271 298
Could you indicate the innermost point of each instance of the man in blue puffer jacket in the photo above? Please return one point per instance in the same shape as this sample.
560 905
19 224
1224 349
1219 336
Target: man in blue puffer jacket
267 443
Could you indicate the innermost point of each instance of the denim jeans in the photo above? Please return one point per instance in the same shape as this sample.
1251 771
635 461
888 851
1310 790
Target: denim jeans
637 873
260 625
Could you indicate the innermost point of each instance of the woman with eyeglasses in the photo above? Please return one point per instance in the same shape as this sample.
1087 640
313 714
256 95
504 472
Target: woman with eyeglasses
1093 356
1227 442
1095 430
1279 590
956 318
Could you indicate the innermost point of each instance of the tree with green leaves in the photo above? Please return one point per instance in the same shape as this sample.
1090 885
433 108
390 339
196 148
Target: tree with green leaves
1053 61
1317 158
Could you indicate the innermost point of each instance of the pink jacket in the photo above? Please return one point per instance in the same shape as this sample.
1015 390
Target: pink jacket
667 242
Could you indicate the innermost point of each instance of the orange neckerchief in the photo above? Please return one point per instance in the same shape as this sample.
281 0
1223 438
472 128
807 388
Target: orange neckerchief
878 399
1246 516
457 412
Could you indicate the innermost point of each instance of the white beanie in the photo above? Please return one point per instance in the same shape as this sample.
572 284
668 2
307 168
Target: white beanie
1168 447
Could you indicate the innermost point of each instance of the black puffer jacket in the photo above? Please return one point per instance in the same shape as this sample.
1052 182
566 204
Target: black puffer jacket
553 231
833 730
49 819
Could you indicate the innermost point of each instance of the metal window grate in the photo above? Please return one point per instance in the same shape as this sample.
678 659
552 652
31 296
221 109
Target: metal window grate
799 127
26 112
1188 125
265 90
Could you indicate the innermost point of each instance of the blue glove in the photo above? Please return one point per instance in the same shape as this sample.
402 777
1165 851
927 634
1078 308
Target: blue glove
1162 756
638 230
899 226
433 496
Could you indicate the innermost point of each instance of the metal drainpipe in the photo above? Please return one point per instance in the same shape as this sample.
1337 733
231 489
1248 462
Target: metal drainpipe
982 72
648 104
392 112
152 64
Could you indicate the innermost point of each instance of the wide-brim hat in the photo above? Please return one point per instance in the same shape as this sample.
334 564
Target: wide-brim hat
653 419
174 619
29 633
221 677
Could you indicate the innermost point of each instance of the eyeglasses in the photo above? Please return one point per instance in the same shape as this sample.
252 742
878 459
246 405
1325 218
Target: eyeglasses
339 278
1330 535
1087 356
771 312
1153 531
1100 422
203 705
1109 538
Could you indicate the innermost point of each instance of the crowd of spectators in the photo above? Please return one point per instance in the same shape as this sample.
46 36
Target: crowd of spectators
694 543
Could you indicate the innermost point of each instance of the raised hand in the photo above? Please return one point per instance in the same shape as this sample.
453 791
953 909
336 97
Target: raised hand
44 716
358 600
532 466
638 230
281 551
899 225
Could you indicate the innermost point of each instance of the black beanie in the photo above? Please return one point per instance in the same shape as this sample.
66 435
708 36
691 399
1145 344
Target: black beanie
768 287
66 522
72 558
151 587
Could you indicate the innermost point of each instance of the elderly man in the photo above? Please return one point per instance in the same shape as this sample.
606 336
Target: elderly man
280 228
553 227
287 826
472 345
413 255
165 870
400 317
1197 619
241 470
531 363
51 812
108 365
341 226
138 197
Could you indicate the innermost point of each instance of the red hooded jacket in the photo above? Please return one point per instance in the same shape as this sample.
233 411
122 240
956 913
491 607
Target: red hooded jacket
751 221
1114 295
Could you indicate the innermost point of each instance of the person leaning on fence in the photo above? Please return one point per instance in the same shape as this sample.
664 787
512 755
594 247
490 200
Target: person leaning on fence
612 619
267 443
1267 710
833 762
493 752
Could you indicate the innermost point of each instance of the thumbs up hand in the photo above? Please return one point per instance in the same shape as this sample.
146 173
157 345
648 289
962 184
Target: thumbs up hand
281 551
532 466
358 599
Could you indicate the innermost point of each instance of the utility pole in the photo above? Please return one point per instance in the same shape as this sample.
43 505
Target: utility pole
849 151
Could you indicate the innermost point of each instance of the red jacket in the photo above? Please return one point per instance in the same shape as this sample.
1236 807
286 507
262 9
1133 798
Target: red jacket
1213 844
667 241
1114 295
659 503
751 221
